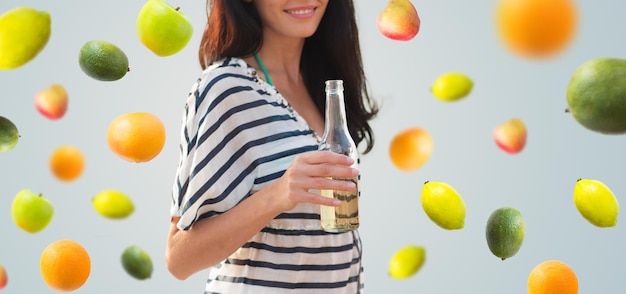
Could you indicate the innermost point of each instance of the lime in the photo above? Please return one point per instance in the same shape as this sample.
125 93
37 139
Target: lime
9 134
24 32
505 232
596 95
113 204
443 205
137 263
103 61
452 86
407 261
596 203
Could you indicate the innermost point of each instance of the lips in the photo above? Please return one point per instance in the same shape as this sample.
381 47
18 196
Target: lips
301 12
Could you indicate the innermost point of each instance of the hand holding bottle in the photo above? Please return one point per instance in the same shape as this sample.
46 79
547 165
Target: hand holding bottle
313 170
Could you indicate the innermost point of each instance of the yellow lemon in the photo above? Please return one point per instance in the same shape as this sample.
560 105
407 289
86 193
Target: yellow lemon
452 86
113 204
407 261
24 32
443 205
596 202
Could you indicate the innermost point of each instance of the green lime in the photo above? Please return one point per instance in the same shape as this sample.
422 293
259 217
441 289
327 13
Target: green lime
596 95
452 86
443 205
9 134
406 261
24 32
505 232
596 203
137 263
113 204
103 61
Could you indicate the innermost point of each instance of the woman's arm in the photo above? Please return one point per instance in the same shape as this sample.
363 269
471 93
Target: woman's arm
211 240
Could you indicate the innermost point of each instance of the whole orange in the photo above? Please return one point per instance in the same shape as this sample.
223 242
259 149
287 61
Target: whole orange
67 163
65 265
552 277
136 136
411 148
536 28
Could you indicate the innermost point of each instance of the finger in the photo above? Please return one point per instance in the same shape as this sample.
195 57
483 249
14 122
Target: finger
315 198
332 171
328 157
323 183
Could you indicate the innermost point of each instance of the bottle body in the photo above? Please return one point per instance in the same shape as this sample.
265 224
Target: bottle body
336 138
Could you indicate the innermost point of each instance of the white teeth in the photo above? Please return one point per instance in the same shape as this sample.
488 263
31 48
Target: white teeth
300 12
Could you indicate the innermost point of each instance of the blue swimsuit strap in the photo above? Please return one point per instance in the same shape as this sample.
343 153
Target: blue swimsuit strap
267 76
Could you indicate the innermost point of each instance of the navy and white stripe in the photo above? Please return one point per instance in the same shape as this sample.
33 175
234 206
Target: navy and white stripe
238 135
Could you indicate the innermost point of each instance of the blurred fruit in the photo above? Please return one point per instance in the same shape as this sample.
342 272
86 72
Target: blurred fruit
596 203
452 86
411 148
67 163
4 279
24 32
103 61
113 204
552 276
596 95
536 28
65 265
137 263
511 135
505 232
407 261
9 134
399 20
31 212
52 101
162 28
136 136
443 205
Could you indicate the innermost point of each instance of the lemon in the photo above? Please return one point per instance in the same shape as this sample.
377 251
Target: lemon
505 232
406 261
9 135
103 60
596 203
137 262
24 32
443 205
113 204
452 86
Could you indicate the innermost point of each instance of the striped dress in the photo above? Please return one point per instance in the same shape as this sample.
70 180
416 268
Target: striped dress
238 135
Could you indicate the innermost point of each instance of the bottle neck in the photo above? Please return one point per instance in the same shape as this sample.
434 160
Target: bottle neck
335 115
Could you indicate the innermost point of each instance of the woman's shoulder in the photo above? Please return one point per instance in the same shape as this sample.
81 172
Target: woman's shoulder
227 66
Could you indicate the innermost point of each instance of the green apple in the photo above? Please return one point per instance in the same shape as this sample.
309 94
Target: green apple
162 28
31 212
9 134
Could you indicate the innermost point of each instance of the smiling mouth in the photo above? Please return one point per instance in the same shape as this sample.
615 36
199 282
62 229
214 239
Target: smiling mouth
301 11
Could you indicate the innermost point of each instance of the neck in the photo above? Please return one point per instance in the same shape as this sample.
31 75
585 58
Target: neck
282 59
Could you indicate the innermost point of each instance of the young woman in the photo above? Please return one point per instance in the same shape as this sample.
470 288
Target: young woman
244 202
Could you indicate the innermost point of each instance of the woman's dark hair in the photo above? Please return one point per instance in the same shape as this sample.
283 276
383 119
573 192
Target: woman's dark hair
332 52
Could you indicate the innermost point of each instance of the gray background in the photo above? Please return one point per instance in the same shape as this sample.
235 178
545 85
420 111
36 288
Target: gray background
455 35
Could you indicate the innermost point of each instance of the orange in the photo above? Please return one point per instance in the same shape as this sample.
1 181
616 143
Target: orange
136 136
65 265
410 148
536 28
552 277
67 163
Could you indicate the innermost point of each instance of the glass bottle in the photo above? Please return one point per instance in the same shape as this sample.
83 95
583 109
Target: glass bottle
337 139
